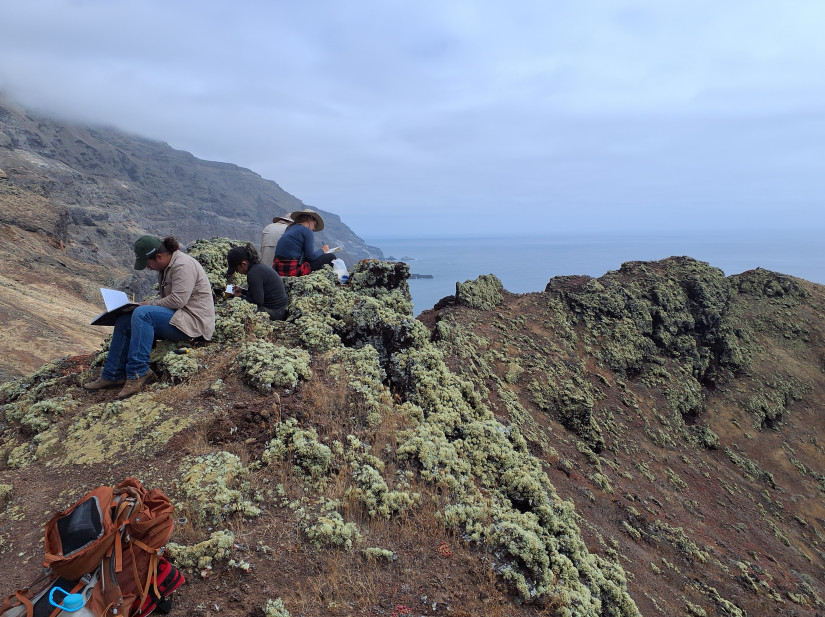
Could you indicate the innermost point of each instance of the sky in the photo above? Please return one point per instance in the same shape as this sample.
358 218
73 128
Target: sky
456 117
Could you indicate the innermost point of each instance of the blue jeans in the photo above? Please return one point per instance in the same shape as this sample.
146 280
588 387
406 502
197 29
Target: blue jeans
133 338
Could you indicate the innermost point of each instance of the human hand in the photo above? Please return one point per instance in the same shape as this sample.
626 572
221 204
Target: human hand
325 248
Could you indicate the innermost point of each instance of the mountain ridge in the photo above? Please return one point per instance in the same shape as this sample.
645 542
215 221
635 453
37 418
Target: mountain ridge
102 177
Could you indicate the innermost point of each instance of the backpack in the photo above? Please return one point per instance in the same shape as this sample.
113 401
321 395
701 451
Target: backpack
107 548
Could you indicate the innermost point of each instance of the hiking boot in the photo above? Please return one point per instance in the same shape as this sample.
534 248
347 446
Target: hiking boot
133 386
100 384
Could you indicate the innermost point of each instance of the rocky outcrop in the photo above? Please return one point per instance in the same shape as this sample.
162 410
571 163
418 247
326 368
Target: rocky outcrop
679 409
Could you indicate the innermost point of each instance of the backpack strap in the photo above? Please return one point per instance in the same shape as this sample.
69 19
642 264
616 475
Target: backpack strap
21 596
22 600
151 572
121 519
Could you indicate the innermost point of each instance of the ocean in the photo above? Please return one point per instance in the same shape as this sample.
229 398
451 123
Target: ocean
526 264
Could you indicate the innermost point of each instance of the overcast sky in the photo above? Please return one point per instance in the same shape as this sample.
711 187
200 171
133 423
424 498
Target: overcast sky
457 117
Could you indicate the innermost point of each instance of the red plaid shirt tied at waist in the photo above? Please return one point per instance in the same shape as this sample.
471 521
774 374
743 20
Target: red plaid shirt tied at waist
290 267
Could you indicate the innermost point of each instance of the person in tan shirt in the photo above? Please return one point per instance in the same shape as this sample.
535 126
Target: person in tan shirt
183 310
270 236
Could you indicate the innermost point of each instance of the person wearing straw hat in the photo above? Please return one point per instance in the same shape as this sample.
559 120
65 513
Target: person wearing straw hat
295 253
183 310
270 236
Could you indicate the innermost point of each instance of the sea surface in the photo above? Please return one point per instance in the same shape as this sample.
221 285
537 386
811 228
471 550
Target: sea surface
527 264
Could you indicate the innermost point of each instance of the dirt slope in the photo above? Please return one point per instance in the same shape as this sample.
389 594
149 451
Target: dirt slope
47 298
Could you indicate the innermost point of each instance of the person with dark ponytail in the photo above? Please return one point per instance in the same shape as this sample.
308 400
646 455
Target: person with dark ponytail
183 310
265 287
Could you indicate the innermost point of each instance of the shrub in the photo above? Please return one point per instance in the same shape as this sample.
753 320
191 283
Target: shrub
266 365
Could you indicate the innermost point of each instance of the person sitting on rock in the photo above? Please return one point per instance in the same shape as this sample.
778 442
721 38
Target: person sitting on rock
270 236
183 310
265 287
295 254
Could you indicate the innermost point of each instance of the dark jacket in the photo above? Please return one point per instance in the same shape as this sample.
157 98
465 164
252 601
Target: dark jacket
265 287
298 242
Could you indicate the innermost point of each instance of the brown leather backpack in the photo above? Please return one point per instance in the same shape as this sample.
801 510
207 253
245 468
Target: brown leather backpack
115 533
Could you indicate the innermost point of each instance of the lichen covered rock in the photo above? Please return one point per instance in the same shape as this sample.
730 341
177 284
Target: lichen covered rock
311 458
214 486
678 306
212 256
266 365
482 293
237 320
202 555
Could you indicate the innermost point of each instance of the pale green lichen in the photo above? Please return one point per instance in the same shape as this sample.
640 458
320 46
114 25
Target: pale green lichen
212 256
538 547
750 469
37 417
266 365
679 307
572 398
311 458
214 486
179 366
769 406
325 527
380 279
275 608
372 491
379 554
108 430
482 293
42 384
21 456
365 381
237 320
6 492
705 437
32 405
203 554
679 539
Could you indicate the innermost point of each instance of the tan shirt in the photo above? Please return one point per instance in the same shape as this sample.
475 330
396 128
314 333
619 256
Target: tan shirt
185 288
269 239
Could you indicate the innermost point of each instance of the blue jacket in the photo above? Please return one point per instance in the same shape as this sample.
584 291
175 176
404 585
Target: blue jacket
296 243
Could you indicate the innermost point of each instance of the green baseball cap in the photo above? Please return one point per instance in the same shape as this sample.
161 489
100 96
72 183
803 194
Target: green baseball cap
145 247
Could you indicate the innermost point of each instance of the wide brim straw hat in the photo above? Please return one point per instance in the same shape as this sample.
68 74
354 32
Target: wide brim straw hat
318 220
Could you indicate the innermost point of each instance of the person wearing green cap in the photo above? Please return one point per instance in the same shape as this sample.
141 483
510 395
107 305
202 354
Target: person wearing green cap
183 310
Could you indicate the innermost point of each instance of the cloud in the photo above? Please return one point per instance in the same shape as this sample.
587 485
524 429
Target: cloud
606 114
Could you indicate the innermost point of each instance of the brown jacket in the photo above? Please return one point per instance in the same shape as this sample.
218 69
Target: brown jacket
185 288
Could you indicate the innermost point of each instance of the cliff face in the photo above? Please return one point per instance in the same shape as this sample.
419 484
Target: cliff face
106 187
643 443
